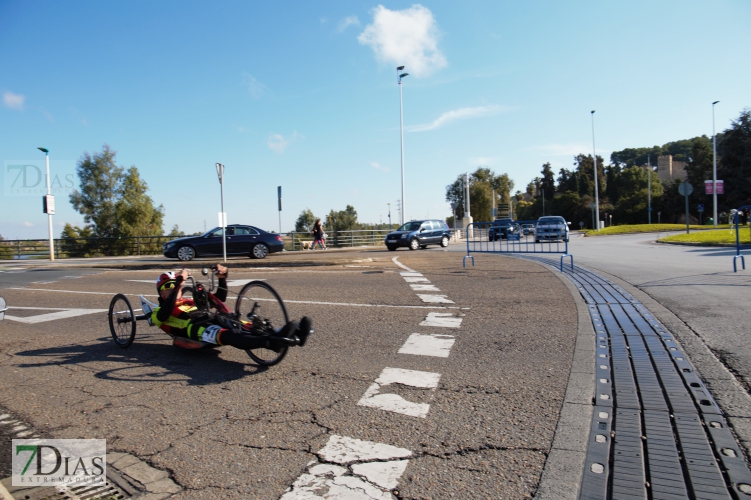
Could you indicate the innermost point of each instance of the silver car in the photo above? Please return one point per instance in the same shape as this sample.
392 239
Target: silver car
551 228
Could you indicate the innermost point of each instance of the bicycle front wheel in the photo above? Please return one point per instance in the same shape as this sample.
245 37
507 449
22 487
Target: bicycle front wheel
259 304
122 321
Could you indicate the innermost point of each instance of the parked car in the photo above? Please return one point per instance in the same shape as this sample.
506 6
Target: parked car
241 240
528 229
500 228
552 228
419 234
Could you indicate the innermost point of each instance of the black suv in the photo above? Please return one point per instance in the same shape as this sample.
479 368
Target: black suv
500 228
419 234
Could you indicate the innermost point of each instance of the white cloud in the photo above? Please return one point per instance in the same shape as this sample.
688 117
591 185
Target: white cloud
482 160
13 101
378 166
323 20
572 149
406 37
347 22
458 114
278 143
255 87
28 224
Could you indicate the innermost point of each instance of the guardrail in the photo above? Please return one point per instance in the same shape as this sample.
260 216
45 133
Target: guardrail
338 239
152 245
513 240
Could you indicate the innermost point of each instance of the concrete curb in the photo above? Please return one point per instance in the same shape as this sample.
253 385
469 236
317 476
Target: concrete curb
562 474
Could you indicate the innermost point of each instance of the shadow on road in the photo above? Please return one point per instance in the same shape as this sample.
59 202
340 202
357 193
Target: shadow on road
146 362
709 279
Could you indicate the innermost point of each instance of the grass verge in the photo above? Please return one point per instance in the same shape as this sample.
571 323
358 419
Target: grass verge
650 228
715 237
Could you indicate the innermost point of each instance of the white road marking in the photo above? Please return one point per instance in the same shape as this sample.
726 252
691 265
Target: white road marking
187 283
347 304
416 280
428 345
435 299
410 274
333 481
395 403
395 260
60 314
344 450
444 320
383 474
424 288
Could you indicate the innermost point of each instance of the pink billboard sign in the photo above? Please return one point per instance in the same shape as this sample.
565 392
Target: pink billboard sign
708 187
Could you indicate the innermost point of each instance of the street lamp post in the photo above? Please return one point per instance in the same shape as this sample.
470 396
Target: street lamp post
401 130
649 189
594 159
389 204
222 216
714 168
49 203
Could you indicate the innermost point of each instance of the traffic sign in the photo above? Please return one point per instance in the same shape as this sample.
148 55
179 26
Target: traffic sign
701 207
685 188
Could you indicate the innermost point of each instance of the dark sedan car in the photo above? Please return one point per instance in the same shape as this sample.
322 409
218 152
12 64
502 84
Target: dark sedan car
419 234
241 240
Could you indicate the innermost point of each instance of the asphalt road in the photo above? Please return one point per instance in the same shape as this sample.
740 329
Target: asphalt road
478 423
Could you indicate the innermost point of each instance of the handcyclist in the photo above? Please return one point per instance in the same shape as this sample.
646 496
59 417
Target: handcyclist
180 317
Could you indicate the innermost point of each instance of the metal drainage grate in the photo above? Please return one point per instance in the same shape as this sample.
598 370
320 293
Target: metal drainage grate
110 490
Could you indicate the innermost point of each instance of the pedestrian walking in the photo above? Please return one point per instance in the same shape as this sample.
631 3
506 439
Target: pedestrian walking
318 235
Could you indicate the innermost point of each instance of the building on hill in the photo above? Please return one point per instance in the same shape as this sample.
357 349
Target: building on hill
670 170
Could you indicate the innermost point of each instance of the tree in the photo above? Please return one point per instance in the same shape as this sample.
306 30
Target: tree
112 201
343 220
735 164
304 223
699 168
99 178
6 252
547 182
176 233
135 214
585 168
483 182
76 242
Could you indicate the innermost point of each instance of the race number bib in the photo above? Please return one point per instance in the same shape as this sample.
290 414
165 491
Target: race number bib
210 333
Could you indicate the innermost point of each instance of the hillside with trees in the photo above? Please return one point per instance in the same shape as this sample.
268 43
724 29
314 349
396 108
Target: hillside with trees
623 184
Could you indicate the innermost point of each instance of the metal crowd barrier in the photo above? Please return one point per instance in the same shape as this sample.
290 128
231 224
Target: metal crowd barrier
736 220
479 240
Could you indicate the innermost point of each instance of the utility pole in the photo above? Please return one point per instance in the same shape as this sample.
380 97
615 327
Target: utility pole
649 190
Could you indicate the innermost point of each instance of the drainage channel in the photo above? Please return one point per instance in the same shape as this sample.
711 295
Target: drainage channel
656 432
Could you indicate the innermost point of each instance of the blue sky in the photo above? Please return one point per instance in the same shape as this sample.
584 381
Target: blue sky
304 95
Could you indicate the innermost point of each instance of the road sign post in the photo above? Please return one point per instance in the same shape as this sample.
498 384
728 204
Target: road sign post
685 188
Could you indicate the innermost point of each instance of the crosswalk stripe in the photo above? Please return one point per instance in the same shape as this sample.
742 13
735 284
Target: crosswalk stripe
428 345
443 320
393 402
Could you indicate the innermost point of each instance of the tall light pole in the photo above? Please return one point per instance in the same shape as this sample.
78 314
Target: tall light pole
389 204
594 159
714 168
401 130
222 215
649 189
49 203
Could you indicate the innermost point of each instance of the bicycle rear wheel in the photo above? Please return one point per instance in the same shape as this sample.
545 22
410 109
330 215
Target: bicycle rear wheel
259 304
122 321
